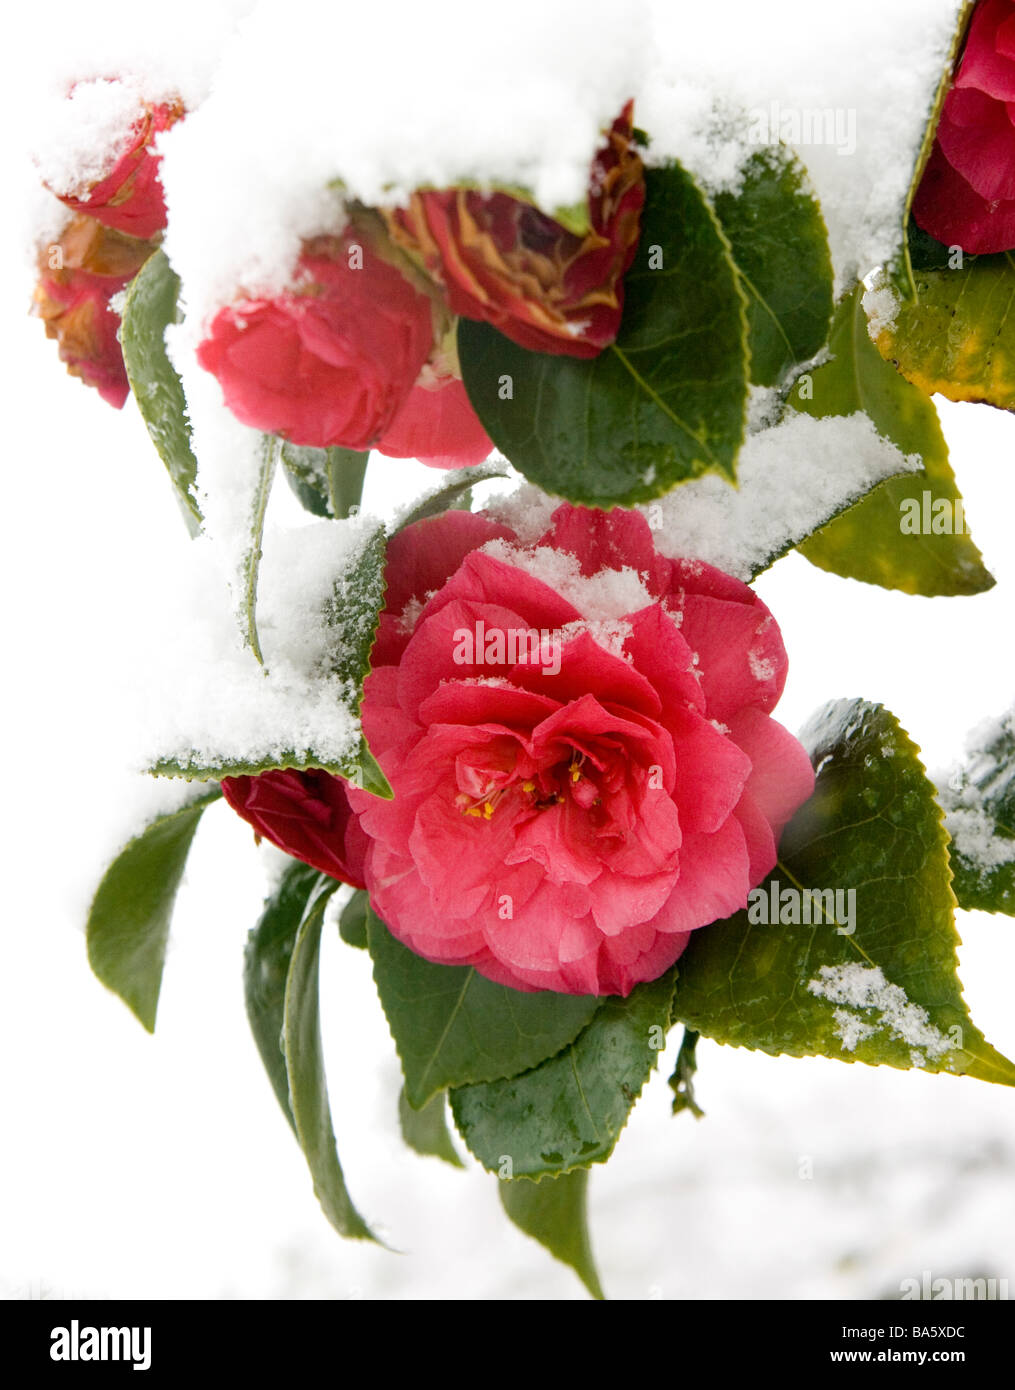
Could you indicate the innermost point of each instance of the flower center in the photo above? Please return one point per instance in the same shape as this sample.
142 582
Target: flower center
539 790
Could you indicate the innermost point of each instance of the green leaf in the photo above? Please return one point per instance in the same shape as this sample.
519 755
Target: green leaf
901 270
266 969
867 541
956 335
150 307
128 921
352 925
450 1025
682 1080
454 493
980 805
327 482
662 404
251 564
308 1089
360 768
426 1131
554 1211
780 245
568 1112
873 978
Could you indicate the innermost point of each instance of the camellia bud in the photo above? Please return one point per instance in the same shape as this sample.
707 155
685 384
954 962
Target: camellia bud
504 261
332 360
128 197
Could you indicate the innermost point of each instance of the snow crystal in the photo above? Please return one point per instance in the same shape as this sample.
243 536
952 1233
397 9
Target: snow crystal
964 790
864 990
976 838
607 595
762 668
881 304
611 636
791 479
851 1029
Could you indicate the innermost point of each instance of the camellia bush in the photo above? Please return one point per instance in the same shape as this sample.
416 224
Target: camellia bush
522 744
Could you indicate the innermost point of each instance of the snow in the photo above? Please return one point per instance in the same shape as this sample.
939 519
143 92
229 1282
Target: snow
224 707
791 479
87 133
367 117
865 991
607 595
964 792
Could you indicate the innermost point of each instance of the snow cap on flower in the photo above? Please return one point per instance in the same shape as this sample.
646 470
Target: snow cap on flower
502 260
121 187
332 360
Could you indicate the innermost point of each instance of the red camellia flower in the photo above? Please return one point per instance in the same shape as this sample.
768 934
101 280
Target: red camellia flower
129 197
438 426
307 813
504 261
79 275
967 194
579 740
331 361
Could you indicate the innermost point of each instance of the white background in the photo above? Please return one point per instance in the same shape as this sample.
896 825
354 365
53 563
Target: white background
160 1167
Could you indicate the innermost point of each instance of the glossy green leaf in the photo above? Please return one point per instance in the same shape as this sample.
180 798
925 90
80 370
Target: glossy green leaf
980 805
150 307
266 968
426 1131
128 921
554 1211
308 1089
327 482
352 924
956 335
569 1111
780 245
450 1025
662 404
871 978
868 541
454 493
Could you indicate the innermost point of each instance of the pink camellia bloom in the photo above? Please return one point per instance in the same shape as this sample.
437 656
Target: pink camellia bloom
579 740
305 813
331 361
129 196
966 196
438 426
